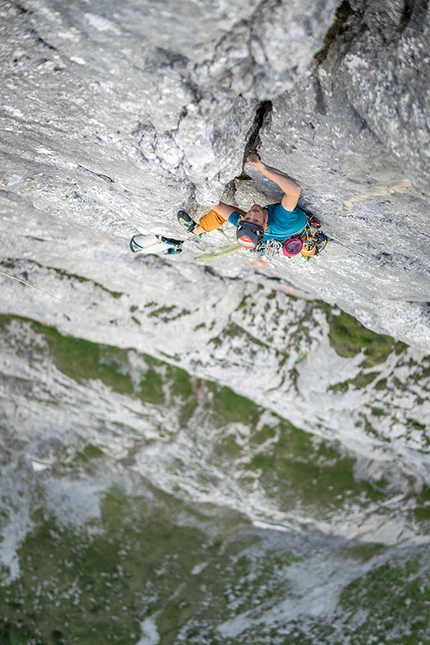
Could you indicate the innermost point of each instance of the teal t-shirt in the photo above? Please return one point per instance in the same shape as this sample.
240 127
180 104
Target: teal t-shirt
281 223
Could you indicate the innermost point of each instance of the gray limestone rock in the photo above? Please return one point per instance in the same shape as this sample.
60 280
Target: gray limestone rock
114 117
152 89
384 72
376 264
335 133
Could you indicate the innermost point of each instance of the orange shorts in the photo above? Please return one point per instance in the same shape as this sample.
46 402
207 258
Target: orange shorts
213 220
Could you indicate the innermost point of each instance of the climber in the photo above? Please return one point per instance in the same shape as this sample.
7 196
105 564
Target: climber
273 222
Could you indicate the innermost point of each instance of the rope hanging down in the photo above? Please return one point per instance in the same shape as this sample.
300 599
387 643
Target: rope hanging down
27 284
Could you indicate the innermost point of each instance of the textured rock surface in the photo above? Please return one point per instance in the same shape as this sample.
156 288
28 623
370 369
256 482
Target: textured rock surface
152 93
112 118
355 135
112 115
383 71
63 400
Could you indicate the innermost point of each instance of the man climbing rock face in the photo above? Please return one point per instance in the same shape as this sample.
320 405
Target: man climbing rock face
273 222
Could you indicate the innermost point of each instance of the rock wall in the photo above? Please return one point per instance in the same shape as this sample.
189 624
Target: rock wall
68 406
112 118
354 134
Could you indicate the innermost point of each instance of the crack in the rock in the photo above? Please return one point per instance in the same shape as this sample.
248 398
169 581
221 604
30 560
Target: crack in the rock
24 7
338 27
96 174
40 40
261 116
414 13
320 106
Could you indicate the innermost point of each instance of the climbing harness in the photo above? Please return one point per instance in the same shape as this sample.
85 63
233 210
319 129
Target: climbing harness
270 248
308 242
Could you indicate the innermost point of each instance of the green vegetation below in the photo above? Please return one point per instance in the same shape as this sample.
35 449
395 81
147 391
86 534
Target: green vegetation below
89 452
82 360
233 408
336 30
190 568
402 617
96 588
299 472
359 382
294 470
349 337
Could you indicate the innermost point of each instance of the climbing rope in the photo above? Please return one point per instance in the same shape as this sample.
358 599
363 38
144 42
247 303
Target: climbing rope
27 284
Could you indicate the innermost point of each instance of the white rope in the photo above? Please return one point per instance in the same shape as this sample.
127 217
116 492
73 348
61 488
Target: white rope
27 284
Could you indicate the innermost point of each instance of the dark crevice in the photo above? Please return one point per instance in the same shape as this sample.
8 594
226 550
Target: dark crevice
96 174
407 12
361 123
41 41
210 271
414 13
24 7
171 58
254 141
320 106
338 27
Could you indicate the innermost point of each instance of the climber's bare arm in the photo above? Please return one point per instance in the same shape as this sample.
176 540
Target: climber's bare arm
290 188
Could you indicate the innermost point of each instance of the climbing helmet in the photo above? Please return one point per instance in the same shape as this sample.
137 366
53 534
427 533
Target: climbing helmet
249 235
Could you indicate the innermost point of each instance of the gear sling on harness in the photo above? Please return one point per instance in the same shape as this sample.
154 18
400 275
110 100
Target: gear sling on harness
308 242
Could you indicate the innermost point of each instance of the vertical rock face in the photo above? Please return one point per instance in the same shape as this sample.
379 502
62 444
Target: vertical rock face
154 97
383 73
355 134
113 117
